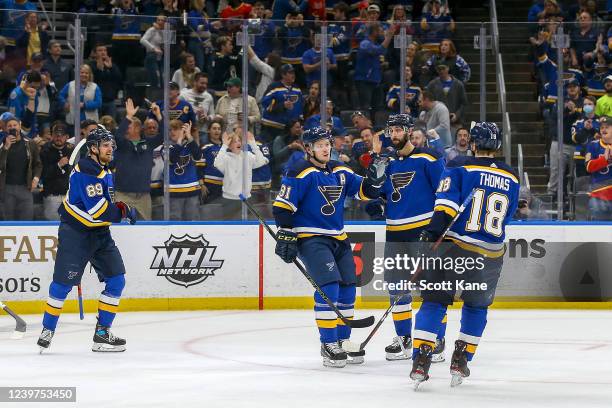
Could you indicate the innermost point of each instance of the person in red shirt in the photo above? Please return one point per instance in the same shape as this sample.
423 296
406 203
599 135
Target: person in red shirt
236 9
316 9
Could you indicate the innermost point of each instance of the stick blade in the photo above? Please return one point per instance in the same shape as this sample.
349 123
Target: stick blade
17 335
351 347
362 323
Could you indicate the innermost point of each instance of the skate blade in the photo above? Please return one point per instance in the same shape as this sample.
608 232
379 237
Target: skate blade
41 349
397 357
107 348
438 358
334 363
17 335
456 380
416 384
355 360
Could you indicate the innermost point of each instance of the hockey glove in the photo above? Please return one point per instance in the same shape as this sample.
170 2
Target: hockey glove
127 212
375 174
375 209
286 245
426 236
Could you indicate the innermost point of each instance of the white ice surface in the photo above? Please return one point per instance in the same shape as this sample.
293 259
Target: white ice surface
540 359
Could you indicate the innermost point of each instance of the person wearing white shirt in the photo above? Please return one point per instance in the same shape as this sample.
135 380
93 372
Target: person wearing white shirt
185 75
202 103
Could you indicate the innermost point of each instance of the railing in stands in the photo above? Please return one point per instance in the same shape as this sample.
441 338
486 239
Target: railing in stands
44 11
501 84
521 166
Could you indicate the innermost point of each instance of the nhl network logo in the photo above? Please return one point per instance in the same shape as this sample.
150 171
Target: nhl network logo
186 260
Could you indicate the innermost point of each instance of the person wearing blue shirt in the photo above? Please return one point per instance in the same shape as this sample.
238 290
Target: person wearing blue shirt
334 123
23 101
281 8
368 72
311 61
13 19
281 104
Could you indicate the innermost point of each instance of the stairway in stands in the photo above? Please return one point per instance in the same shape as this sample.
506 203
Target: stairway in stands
521 88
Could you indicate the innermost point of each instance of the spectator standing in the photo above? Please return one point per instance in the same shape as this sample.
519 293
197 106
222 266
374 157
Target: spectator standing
418 138
153 42
230 161
282 104
604 103
185 75
598 162
448 56
20 171
61 71
340 31
14 19
236 9
184 185
583 40
134 162
295 40
178 108
54 157
23 101
368 72
584 131
264 42
229 106
108 78
334 123
266 68
202 103
450 91
436 118
126 36
286 144
311 63
312 101
90 97
225 65
34 39
280 8
199 43
413 94
461 146
436 25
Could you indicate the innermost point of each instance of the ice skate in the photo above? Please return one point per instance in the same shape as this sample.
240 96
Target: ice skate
459 369
333 355
420 365
44 341
354 357
399 350
437 356
105 341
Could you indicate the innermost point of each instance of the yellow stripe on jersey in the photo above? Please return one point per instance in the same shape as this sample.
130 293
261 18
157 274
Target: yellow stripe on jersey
305 172
471 348
408 226
424 156
493 170
416 343
280 204
339 168
402 315
83 220
362 195
445 318
450 211
101 210
474 248
340 237
212 181
184 189
52 310
327 324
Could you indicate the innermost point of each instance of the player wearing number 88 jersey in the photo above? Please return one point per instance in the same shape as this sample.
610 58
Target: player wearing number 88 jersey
478 234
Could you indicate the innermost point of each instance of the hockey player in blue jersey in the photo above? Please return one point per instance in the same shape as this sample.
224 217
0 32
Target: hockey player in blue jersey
84 236
309 212
478 233
408 194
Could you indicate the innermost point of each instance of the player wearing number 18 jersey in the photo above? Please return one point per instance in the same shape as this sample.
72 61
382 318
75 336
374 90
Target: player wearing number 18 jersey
478 233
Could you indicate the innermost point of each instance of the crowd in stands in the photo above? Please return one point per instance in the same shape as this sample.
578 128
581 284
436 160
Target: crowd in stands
587 84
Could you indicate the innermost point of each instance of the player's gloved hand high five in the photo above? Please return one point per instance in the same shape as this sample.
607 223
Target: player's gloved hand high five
286 245
427 236
127 212
376 173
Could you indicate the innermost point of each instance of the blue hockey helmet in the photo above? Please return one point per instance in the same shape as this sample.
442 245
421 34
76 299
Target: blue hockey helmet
98 136
400 119
314 134
486 136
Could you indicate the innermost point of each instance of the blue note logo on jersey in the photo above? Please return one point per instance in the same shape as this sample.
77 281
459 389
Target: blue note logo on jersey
331 194
399 181
186 260
184 160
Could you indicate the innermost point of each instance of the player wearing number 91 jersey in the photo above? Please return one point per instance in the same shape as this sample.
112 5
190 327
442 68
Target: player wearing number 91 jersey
489 190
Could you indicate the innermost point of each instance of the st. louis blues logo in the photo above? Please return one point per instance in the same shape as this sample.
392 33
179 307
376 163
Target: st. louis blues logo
179 170
398 181
331 194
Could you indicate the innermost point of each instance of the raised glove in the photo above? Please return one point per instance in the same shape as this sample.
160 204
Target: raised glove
375 174
127 212
286 245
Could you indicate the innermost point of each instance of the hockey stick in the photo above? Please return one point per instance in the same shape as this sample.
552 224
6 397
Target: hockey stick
355 323
20 324
80 298
417 273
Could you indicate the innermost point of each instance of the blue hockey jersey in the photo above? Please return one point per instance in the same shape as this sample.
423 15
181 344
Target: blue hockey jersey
262 176
410 189
311 199
184 180
274 112
89 202
481 226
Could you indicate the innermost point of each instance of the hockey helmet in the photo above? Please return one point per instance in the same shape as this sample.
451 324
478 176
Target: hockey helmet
311 136
400 119
486 136
98 136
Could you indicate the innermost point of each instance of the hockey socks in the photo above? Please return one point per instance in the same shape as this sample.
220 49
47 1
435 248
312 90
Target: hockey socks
108 305
346 305
402 316
55 302
473 323
427 325
326 318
